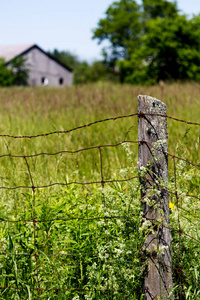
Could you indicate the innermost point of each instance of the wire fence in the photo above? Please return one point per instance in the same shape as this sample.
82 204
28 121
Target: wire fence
25 280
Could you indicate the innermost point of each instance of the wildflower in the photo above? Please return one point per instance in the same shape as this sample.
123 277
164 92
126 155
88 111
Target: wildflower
76 298
171 205
85 192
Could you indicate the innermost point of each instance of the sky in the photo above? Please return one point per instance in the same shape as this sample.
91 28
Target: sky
61 24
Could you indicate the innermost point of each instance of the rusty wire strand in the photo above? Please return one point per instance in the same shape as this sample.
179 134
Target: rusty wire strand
96 122
66 131
180 270
66 184
102 182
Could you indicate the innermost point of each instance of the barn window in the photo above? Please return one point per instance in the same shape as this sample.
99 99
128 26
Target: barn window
61 81
44 81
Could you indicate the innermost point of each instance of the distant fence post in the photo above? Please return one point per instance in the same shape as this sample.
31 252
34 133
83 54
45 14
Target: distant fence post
153 168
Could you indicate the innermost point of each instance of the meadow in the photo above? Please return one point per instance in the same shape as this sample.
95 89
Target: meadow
76 241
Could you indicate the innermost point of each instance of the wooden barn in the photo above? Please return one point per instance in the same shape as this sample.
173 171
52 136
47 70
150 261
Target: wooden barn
43 68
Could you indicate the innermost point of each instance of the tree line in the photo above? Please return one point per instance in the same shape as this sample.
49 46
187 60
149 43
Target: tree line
148 42
83 72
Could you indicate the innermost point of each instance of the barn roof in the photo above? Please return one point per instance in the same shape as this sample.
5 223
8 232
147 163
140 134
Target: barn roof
8 52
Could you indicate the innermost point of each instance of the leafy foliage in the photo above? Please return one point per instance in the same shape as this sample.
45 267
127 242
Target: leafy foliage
65 57
187 207
85 73
74 254
121 27
151 41
16 73
19 70
154 9
169 51
6 76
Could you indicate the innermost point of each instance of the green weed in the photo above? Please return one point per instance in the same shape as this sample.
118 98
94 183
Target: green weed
75 244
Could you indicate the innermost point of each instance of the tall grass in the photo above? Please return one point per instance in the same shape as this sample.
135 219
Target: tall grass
93 254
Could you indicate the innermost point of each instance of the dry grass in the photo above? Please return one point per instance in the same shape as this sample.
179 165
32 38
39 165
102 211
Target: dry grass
30 111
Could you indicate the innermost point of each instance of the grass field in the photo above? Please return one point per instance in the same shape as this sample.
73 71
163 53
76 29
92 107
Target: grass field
50 260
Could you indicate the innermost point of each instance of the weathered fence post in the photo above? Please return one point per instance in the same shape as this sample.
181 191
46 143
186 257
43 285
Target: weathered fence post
153 169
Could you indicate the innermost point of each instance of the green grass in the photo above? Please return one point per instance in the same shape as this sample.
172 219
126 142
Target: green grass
69 253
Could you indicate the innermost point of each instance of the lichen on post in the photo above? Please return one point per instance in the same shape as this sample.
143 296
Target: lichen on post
153 170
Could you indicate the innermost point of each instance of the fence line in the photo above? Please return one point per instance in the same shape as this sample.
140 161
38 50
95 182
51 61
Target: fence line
94 123
102 182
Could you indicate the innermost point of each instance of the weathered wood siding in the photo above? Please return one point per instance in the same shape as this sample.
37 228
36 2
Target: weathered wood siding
41 66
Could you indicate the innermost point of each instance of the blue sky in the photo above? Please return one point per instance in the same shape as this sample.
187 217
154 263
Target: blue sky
61 24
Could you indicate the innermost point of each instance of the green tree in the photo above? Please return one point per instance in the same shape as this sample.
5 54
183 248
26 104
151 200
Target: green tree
170 50
150 41
82 73
65 57
20 70
121 27
15 73
6 76
125 24
99 72
154 9
85 73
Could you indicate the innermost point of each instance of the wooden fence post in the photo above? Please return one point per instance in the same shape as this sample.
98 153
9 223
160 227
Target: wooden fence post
153 170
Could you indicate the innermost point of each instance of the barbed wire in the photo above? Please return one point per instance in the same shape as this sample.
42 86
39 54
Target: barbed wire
102 182
94 123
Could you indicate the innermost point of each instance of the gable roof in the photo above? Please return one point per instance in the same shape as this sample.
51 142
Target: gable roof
8 52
